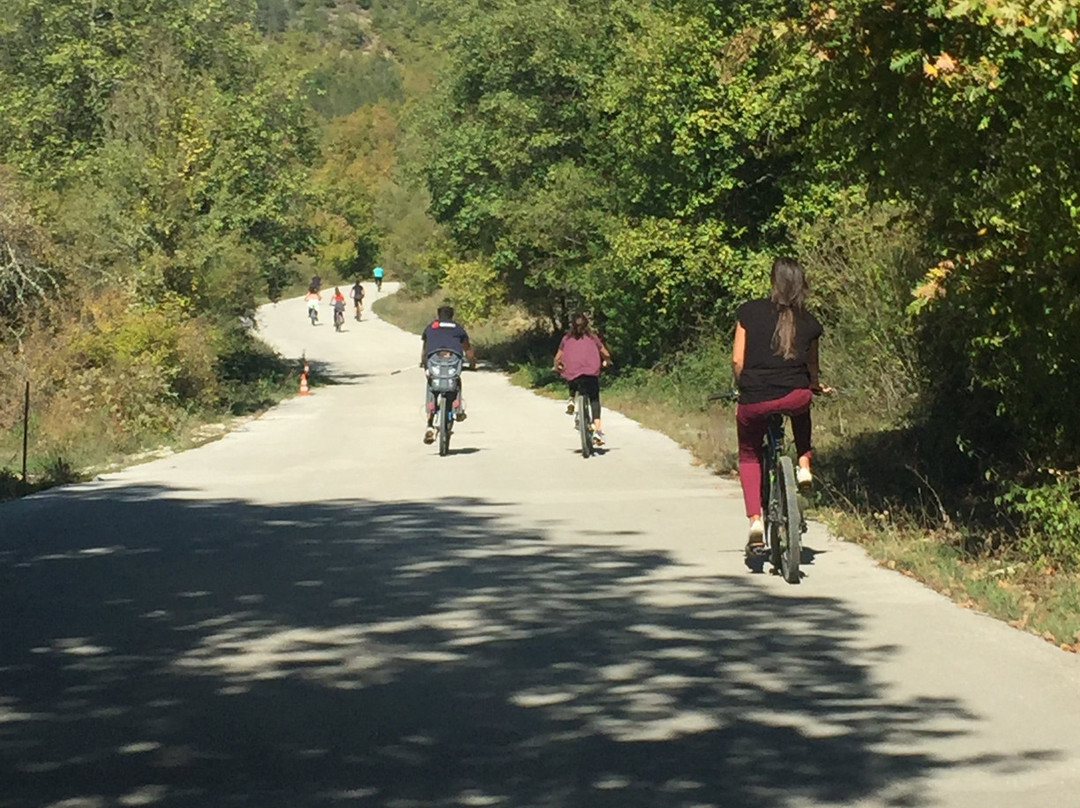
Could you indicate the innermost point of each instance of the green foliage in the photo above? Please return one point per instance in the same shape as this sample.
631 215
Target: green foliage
968 109
357 156
340 85
474 289
863 261
159 183
413 247
26 279
1050 510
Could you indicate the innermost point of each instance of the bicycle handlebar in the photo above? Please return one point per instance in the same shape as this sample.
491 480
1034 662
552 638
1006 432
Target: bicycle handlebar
733 395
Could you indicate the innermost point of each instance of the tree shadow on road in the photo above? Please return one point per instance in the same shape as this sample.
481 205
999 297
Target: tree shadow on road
216 653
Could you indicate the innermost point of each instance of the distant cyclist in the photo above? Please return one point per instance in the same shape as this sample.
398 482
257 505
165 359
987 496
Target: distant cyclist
579 359
337 302
311 299
316 283
378 275
775 361
358 298
443 334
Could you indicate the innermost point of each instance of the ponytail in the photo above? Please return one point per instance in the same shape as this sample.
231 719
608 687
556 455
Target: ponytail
789 289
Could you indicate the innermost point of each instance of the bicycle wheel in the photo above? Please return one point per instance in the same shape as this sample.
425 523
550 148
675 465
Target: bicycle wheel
770 500
446 419
584 416
790 523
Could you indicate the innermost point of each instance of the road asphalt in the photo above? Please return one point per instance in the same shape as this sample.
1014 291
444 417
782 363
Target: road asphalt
318 610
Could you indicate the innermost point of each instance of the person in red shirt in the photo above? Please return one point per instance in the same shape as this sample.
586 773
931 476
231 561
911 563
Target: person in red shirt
579 359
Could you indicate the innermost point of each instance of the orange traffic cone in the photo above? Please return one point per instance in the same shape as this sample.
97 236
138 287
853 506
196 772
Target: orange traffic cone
303 384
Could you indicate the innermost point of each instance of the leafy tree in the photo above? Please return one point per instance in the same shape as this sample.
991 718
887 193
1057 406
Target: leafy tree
968 109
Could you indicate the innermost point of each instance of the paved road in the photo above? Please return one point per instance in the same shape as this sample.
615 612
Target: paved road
317 610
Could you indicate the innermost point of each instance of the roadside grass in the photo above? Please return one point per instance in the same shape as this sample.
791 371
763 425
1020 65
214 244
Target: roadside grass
252 378
406 312
869 492
1031 597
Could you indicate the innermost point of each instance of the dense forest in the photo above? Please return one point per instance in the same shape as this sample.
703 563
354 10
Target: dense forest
165 165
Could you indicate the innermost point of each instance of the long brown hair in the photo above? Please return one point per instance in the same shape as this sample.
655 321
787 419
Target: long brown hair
789 290
579 326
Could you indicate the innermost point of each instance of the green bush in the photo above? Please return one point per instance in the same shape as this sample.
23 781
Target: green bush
862 262
1050 511
474 288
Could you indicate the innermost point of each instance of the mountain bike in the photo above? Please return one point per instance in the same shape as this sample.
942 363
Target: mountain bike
783 516
339 318
444 382
313 313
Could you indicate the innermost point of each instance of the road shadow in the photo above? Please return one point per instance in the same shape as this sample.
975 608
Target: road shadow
179 652
465 450
330 374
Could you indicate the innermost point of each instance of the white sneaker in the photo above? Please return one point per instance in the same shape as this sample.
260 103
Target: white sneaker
756 542
804 478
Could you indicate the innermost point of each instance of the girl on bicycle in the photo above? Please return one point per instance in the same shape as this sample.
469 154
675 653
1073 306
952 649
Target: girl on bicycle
579 359
337 303
311 299
775 360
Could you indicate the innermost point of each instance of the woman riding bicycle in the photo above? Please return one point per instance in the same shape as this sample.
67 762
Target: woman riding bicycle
311 299
775 360
579 359
337 303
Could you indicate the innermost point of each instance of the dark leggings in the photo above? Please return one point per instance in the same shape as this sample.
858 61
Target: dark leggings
752 420
588 386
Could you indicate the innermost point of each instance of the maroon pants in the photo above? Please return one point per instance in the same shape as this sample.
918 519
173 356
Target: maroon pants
752 421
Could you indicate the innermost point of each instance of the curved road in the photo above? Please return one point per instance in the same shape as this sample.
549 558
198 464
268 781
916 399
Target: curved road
317 610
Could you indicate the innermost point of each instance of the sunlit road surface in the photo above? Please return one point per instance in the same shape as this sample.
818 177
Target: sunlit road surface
318 610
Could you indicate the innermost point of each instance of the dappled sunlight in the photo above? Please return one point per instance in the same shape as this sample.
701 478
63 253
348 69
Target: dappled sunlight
429 654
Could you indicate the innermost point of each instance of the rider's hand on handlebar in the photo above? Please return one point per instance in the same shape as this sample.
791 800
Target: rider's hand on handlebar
822 390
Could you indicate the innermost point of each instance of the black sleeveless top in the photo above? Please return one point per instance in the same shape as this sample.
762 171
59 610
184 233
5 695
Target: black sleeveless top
766 376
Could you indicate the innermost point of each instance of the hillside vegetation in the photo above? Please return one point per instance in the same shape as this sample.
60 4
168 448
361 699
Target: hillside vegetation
165 167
